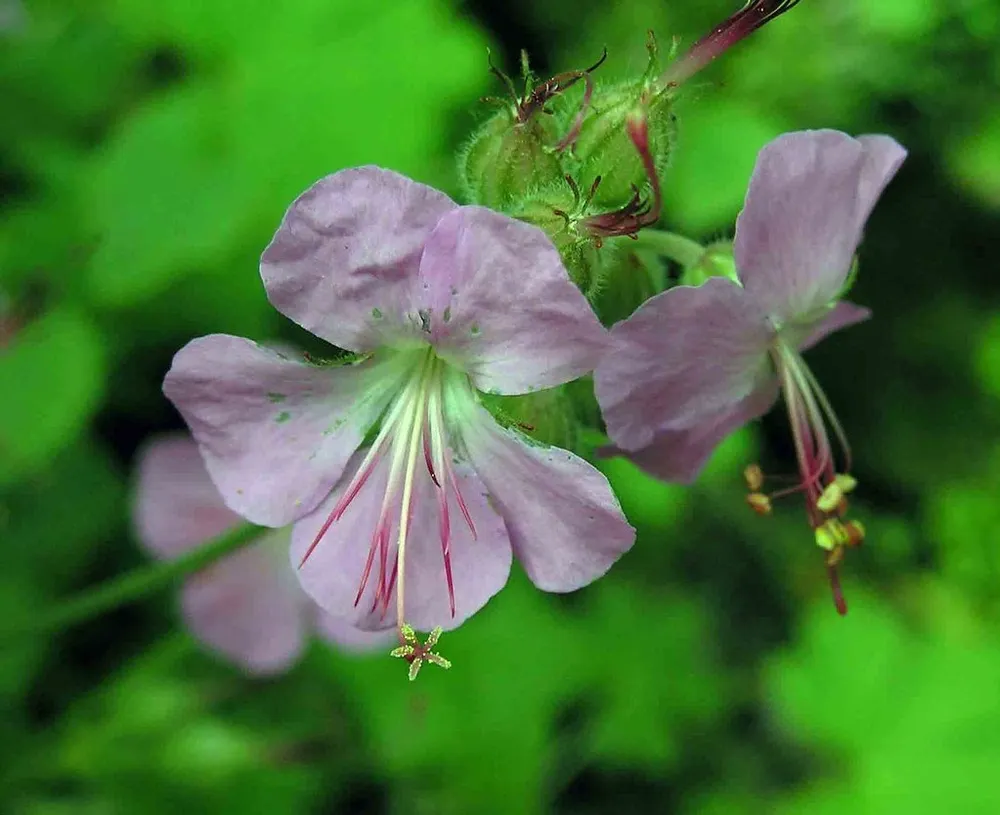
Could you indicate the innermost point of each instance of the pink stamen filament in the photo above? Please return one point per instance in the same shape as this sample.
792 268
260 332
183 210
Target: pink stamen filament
808 411
413 425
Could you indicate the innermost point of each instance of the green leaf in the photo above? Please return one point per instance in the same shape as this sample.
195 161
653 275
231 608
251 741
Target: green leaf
204 173
51 381
705 185
910 717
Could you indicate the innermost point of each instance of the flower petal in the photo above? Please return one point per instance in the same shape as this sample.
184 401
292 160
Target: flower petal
685 355
344 260
248 607
176 505
348 638
332 573
809 197
275 433
497 301
842 315
564 521
679 455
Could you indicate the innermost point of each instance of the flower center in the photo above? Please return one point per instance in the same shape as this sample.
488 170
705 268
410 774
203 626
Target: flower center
413 434
824 485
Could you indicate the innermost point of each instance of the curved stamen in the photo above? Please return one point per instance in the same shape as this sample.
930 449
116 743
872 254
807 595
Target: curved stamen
435 423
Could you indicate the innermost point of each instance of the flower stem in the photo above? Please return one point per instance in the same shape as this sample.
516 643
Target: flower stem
677 248
132 586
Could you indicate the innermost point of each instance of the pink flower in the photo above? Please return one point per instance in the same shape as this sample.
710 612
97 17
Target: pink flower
248 605
693 364
439 302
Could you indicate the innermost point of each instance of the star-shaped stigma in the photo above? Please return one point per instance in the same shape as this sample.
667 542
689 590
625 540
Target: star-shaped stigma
416 653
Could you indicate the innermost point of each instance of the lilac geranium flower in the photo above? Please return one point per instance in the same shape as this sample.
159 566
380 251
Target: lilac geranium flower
437 302
247 606
693 364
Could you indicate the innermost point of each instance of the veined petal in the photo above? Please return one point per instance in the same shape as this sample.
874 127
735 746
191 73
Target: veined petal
563 519
275 433
246 608
685 355
805 210
498 303
333 571
842 315
343 263
679 455
176 505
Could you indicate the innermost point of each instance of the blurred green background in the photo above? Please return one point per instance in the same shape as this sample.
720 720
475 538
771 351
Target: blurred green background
147 151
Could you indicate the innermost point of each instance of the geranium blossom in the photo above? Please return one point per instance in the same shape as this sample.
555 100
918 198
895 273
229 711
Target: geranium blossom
695 363
248 605
437 302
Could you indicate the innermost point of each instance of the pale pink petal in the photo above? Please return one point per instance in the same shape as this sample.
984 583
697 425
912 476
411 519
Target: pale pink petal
805 210
679 455
343 263
562 516
496 300
176 505
346 637
249 608
275 432
685 355
332 573
842 315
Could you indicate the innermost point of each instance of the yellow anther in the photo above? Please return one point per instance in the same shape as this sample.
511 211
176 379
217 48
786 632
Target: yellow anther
759 503
845 481
754 477
855 533
831 535
833 494
830 498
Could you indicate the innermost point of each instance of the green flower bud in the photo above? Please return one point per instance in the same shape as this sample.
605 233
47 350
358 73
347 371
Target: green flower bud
517 151
603 146
507 158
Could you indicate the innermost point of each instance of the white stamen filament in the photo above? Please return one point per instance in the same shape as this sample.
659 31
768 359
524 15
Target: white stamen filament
413 424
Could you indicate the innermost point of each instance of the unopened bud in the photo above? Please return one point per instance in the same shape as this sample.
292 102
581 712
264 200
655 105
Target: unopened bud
506 159
609 143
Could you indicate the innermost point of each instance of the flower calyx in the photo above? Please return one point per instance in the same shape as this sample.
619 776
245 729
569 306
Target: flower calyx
606 145
517 150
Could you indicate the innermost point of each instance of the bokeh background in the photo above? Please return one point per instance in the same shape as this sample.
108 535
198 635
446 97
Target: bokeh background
147 151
